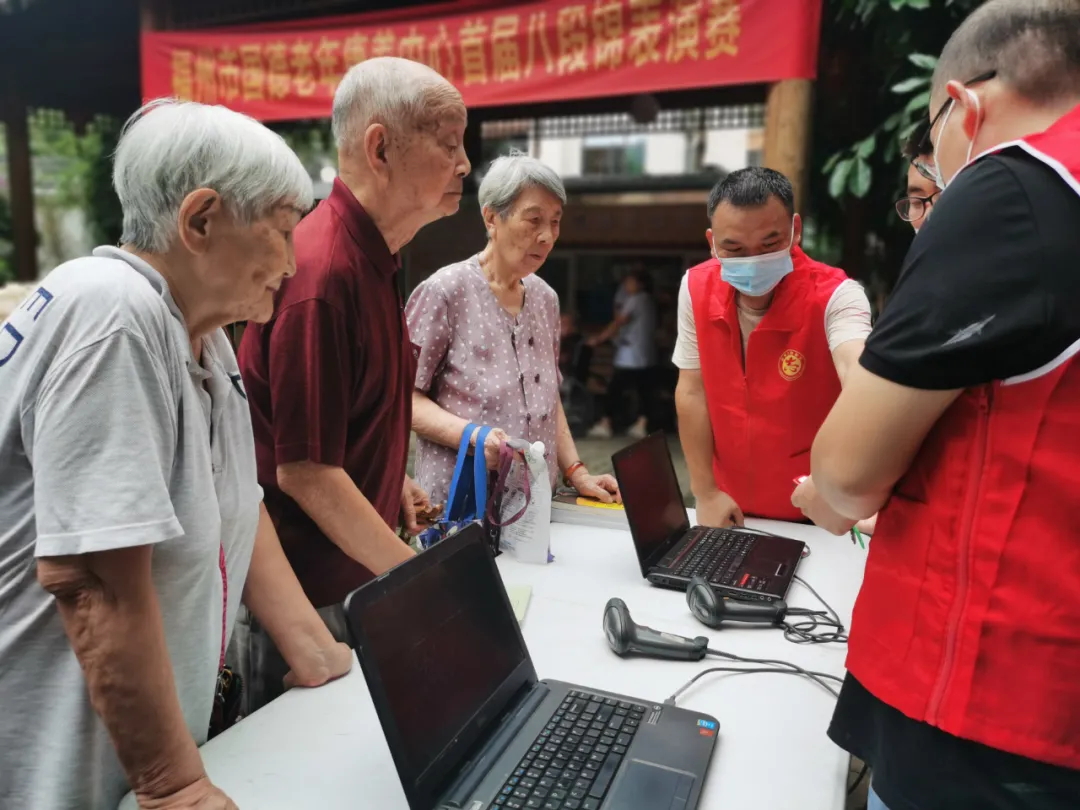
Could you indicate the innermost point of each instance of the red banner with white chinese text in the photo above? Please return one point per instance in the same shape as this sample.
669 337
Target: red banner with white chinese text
506 54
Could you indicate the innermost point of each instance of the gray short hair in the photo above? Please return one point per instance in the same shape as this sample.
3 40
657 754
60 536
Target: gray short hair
510 175
400 94
171 148
1033 45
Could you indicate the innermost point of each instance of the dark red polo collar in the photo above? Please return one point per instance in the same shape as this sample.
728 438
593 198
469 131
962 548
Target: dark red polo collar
362 229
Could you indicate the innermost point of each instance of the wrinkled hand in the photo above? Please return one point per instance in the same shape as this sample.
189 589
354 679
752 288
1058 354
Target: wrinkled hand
413 498
806 498
718 510
320 666
603 488
492 444
200 795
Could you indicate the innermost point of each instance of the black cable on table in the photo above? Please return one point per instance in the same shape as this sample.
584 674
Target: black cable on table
766 665
810 631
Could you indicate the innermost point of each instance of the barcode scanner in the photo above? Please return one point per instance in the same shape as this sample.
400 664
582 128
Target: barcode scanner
713 610
628 638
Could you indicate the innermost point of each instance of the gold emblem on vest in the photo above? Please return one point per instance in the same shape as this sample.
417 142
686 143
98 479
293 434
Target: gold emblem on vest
792 364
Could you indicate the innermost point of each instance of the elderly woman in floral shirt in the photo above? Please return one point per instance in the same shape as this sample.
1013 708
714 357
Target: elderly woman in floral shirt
488 331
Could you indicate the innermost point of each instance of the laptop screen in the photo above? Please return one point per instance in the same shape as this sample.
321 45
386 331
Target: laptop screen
442 654
652 497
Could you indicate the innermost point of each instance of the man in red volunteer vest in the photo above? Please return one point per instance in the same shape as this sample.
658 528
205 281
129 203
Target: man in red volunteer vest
766 337
963 422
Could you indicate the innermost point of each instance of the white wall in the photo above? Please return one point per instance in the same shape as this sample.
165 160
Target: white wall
727 148
665 153
561 154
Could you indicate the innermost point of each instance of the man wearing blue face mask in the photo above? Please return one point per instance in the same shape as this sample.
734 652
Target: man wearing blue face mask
766 338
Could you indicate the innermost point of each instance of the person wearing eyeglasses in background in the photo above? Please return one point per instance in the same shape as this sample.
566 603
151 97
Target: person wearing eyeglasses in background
920 195
922 190
960 424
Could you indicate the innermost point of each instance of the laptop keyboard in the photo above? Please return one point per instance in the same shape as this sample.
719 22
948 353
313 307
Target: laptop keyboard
717 556
571 764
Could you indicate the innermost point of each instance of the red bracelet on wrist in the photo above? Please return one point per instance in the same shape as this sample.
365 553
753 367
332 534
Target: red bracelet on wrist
573 468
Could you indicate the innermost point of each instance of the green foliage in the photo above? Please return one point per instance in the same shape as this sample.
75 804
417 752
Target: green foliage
894 129
74 170
71 170
104 214
60 163
313 143
873 91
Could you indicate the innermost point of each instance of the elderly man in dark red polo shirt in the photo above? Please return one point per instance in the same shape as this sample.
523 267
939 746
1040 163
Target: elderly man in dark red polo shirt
330 377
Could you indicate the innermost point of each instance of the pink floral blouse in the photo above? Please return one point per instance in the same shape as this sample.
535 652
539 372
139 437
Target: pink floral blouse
479 362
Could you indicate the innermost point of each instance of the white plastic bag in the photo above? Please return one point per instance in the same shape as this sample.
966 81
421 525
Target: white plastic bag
528 538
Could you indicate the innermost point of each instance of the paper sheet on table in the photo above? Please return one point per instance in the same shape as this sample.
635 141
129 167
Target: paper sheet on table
519 599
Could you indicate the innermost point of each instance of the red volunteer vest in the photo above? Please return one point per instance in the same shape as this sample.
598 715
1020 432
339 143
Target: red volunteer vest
969 614
764 417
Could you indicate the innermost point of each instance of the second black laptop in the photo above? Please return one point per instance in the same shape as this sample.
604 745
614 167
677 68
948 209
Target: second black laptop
738 563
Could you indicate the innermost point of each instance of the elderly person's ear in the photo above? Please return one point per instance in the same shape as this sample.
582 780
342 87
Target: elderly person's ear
376 143
199 212
489 220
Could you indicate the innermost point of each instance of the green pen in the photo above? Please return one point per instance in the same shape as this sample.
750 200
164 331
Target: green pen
856 534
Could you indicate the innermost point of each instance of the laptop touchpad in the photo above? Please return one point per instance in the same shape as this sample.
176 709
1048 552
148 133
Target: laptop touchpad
767 567
649 787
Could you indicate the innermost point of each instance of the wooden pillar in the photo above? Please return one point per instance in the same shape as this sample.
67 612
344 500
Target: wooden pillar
20 181
788 112
152 16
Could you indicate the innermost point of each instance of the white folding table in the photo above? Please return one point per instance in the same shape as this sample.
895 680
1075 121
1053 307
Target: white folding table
323 748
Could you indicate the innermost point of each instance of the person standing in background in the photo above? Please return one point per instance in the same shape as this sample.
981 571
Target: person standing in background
330 376
914 207
634 333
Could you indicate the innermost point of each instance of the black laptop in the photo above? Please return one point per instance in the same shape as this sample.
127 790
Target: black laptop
469 725
738 563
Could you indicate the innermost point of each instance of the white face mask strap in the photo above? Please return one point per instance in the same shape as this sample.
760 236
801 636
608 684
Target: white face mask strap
978 121
941 132
971 143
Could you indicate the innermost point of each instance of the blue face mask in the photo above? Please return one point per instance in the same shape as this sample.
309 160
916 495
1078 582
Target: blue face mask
757 275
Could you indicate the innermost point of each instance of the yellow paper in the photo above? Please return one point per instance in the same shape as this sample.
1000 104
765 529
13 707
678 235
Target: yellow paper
598 504
519 599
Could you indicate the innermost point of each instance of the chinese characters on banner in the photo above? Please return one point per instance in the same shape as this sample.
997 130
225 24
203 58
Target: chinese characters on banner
510 54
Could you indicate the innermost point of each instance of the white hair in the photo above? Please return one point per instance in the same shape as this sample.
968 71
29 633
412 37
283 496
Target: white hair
510 175
171 148
400 94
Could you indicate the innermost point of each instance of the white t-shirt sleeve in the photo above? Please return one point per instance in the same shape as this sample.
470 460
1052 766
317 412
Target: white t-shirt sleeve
847 315
104 439
686 355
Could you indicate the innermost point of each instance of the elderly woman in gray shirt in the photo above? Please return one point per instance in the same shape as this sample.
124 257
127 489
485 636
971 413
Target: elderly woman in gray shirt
488 331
